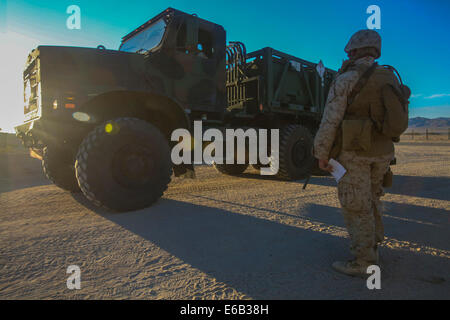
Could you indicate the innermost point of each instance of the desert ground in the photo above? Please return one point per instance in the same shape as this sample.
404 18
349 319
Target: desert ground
222 237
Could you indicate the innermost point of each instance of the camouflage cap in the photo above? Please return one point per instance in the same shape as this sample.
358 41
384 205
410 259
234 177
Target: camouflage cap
364 38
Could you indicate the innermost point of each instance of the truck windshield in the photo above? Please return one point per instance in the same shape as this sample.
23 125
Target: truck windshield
147 39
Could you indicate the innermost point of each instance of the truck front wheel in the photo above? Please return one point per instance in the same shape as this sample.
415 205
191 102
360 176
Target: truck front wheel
58 167
295 154
124 164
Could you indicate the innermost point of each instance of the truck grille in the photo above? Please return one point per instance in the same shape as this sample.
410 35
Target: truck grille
32 91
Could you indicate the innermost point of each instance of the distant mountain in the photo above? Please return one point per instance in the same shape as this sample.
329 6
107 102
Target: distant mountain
420 122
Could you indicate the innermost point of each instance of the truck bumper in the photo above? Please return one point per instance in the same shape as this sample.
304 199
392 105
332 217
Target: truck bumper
39 133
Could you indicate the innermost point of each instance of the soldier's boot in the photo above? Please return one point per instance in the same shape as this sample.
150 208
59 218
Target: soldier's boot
351 268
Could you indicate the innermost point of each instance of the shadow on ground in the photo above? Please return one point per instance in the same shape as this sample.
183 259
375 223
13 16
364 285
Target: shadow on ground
18 171
416 186
270 260
253 174
422 225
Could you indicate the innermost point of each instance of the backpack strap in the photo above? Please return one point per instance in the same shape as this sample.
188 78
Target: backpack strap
362 81
405 91
393 70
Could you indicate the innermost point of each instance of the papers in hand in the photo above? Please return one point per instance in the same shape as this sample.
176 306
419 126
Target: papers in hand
338 170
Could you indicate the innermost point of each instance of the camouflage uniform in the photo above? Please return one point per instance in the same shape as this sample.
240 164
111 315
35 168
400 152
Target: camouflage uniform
359 193
360 189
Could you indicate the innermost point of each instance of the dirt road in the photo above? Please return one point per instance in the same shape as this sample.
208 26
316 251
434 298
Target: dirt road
220 237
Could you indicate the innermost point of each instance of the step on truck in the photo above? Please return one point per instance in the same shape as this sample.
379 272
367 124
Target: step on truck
101 120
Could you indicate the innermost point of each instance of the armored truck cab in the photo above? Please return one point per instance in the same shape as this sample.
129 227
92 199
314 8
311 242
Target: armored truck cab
101 120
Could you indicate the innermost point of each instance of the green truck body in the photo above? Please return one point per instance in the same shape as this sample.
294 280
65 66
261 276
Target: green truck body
171 71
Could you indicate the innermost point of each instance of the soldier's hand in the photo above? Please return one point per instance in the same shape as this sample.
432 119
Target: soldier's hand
324 165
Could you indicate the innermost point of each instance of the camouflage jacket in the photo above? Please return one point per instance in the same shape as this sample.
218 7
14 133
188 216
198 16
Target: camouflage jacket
335 109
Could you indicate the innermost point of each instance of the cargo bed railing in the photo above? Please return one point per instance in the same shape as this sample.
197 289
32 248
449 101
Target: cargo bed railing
307 74
236 73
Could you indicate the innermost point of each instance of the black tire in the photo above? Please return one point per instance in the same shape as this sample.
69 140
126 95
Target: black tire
58 167
127 168
295 154
231 169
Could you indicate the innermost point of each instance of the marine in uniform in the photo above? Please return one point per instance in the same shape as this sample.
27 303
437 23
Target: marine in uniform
366 162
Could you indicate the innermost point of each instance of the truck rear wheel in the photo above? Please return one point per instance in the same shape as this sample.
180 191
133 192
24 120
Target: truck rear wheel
58 167
231 169
295 154
124 164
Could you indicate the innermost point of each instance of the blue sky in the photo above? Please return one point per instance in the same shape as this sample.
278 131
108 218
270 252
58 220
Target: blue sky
415 34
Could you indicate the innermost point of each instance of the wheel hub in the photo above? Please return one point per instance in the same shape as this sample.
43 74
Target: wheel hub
298 153
133 166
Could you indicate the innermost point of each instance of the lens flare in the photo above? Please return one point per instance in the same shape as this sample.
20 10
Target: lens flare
109 128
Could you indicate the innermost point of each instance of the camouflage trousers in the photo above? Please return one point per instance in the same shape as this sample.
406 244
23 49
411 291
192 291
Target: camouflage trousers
359 192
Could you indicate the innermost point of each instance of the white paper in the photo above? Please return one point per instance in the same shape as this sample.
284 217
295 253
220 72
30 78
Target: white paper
338 170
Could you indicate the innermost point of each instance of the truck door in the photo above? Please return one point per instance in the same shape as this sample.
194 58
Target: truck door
198 49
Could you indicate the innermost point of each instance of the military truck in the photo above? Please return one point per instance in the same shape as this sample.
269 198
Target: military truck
101 120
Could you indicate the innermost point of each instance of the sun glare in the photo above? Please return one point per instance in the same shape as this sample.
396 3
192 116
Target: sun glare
14 49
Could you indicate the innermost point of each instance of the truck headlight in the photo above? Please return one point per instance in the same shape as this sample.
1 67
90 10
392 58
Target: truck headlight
81 116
